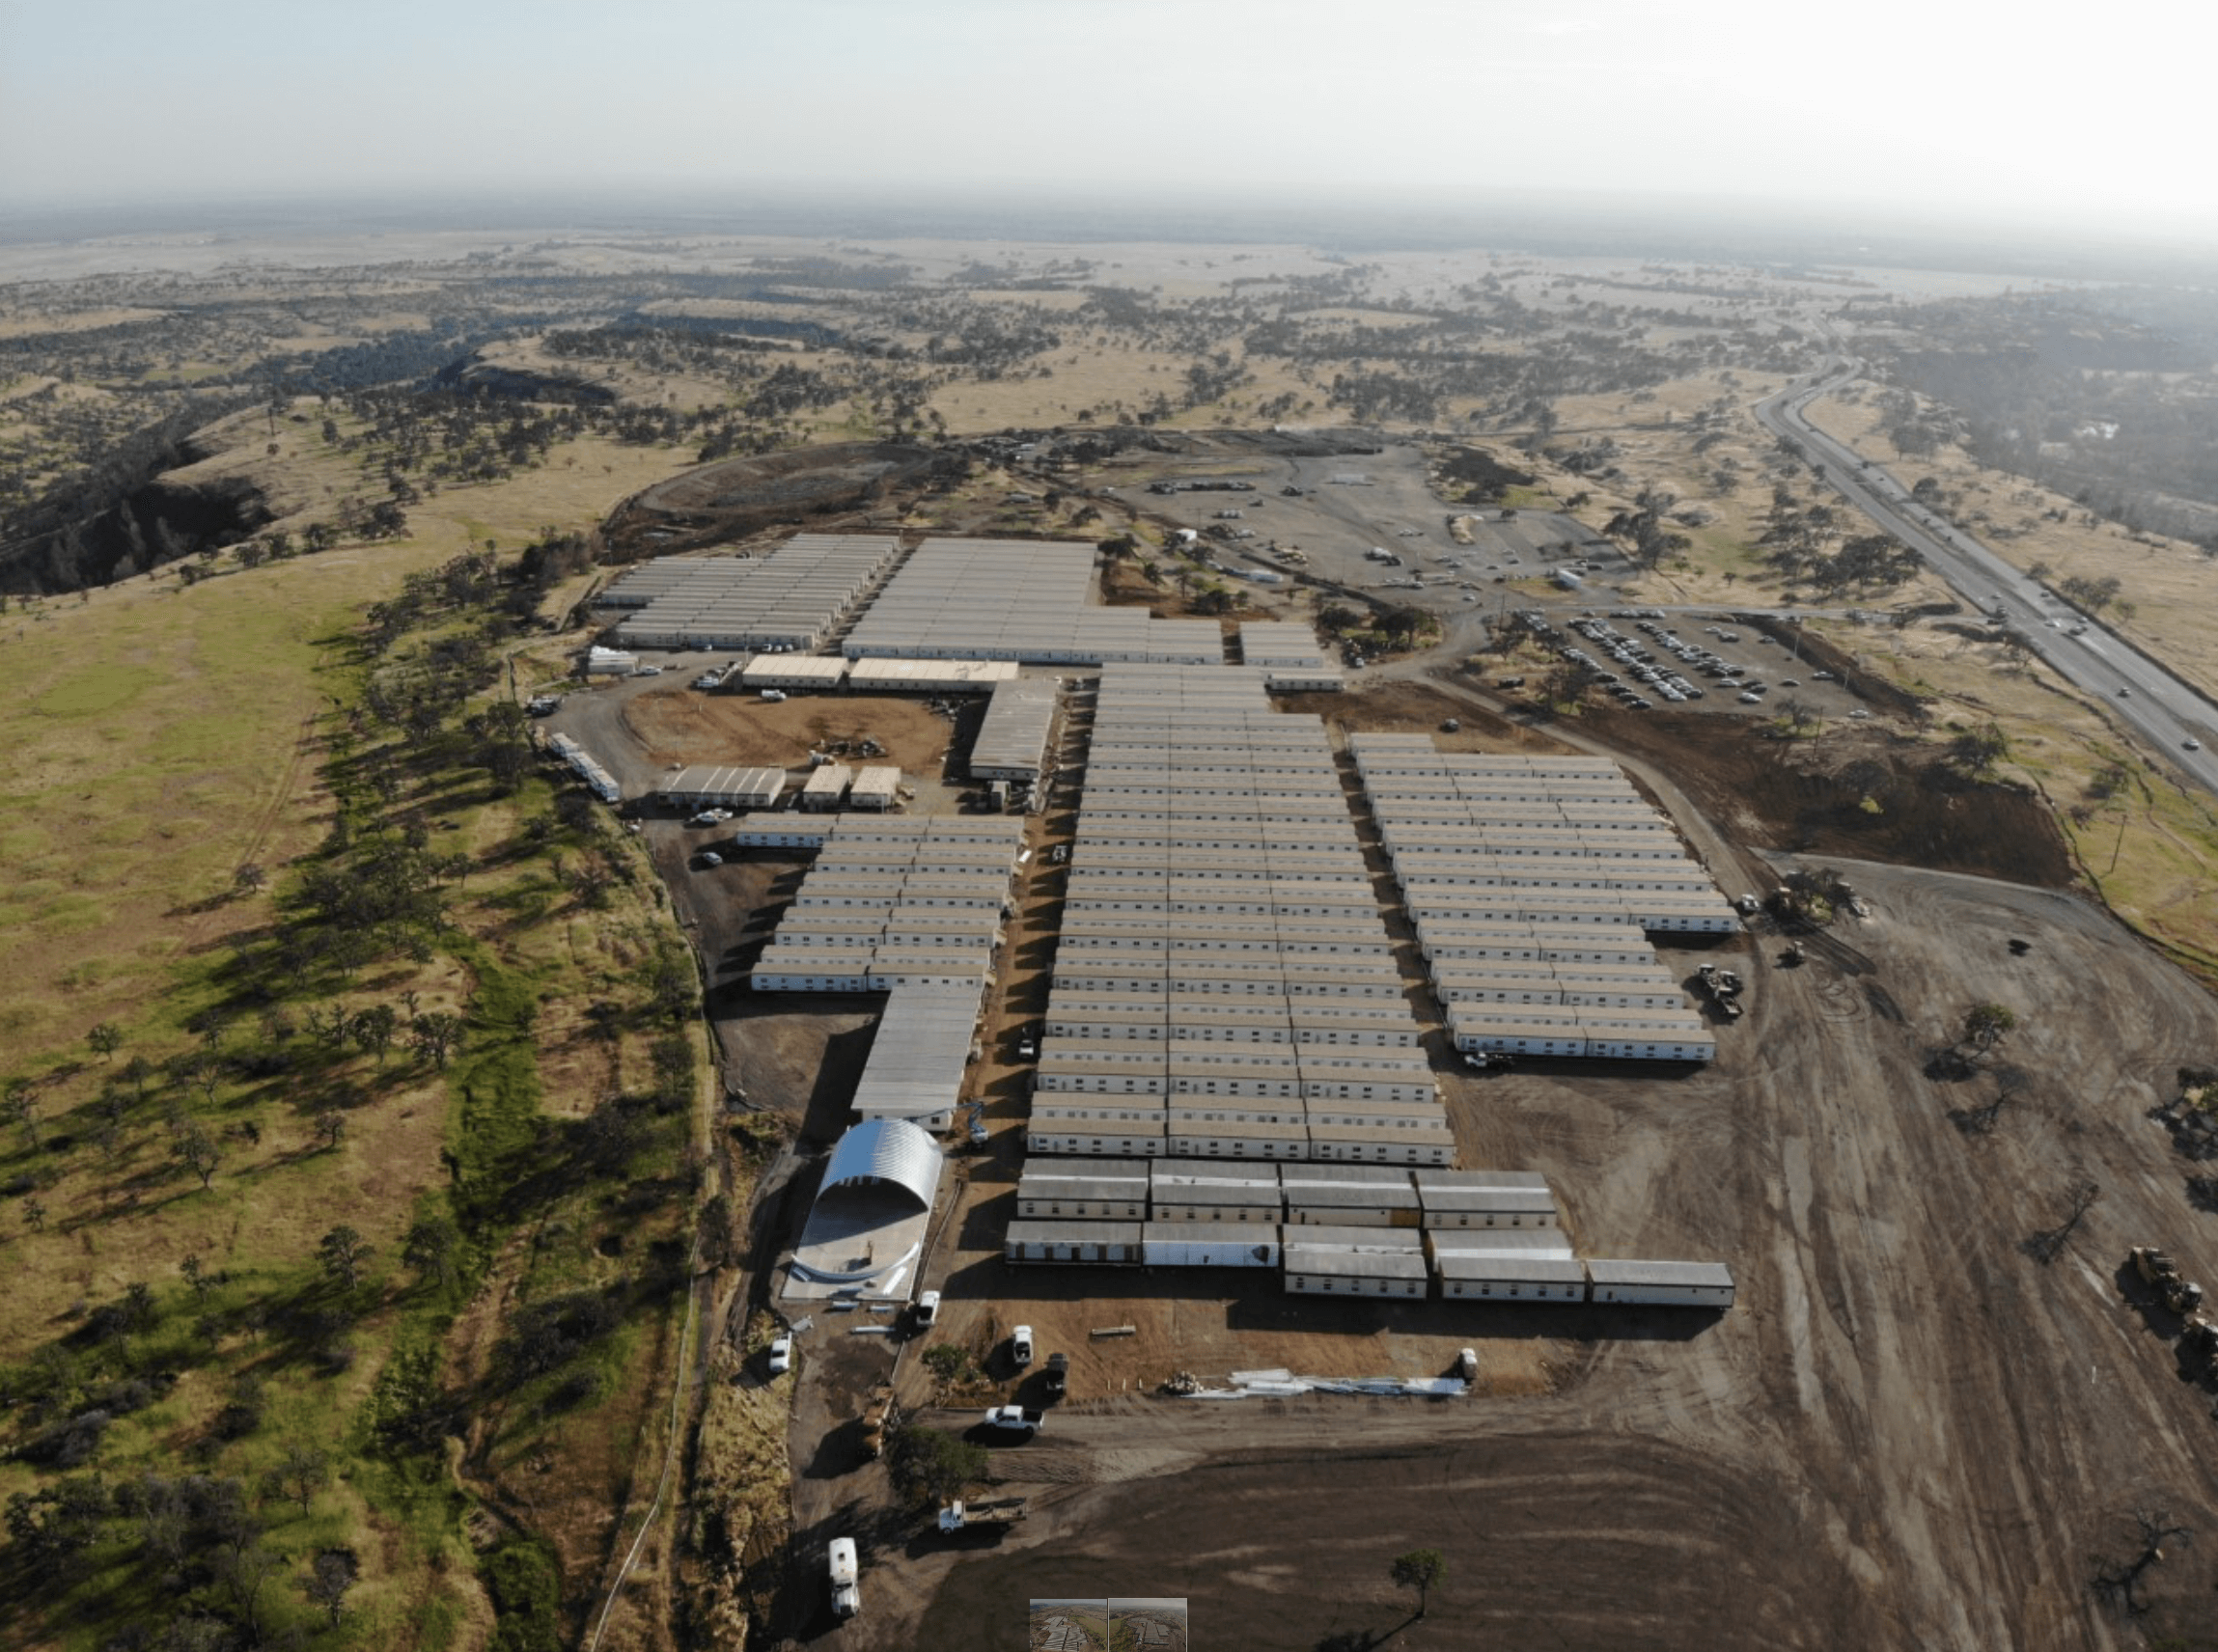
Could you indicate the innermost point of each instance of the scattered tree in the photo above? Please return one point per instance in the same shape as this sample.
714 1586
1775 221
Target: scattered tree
105 1039
196 1151
330 1576
342 1252
299 1474
434 1249
330 1126
1422 1570
1985 1025
934 1465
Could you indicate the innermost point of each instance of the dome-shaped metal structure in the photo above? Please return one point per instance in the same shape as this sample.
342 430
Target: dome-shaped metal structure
887 1151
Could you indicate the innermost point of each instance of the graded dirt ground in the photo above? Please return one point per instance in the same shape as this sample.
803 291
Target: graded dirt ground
684 726
1908 1432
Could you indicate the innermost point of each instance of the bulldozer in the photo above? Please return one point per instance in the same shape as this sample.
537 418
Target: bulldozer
2199 1340
878 1416
2162 1275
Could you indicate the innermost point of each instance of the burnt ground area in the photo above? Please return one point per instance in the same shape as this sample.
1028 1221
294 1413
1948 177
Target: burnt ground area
1867 794
1909 1432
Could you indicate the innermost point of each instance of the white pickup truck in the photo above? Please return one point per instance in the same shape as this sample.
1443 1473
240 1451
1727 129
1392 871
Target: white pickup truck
847 1587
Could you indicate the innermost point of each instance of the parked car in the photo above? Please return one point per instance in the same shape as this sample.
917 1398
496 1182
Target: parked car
782 1356
927 1307
1020 1346
1015 1420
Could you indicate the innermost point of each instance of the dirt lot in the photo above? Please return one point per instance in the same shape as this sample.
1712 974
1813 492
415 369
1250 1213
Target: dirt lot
1861 791
682 725
1908 1433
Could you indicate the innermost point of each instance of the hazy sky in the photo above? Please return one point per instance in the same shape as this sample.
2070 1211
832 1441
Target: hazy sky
2092 115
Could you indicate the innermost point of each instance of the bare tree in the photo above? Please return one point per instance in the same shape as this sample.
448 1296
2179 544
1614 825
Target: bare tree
2117 1581
2046 1246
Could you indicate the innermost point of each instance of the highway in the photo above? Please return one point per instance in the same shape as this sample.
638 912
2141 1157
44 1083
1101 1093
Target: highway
2144 694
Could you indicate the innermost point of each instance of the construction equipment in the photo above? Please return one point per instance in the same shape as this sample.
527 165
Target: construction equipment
880 1416
1724 989
959 1516
2199 1340
1793 954
2162 1275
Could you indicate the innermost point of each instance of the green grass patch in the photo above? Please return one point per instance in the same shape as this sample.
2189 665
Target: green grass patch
95 693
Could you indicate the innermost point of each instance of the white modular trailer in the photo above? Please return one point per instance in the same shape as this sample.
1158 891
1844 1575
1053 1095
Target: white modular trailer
1485 1199
1347 1086
823 672
1146 1108
1383 1203
891 969
1240 1140
1106 1200
1498 1245
1510 1278
1383 1144
1520 1039
1331 1270
809 968
877 786
1187 1112
1401 1114
707 785
1181 1191
1175 1244
1113 1141
883 675
826 786
1618 1046
1102 1243
1674 1284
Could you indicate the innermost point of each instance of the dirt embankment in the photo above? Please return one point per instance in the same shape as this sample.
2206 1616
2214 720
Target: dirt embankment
731 496
1867 795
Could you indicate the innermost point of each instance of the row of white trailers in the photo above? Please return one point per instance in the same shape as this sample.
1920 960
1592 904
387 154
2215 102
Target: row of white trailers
1306 1194
1372 1262
580 763
1159 1133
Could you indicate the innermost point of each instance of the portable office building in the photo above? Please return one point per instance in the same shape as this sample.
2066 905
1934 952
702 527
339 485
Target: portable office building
1331 1270
826 786
1504 1279
1209 1244
1184 1192
877 786
707 785
1113 1141
1674 1284
1101 1243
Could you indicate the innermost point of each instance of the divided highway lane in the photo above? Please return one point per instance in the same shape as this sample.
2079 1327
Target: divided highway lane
2158 705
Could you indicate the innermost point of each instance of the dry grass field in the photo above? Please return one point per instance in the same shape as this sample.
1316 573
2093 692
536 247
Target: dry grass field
166 734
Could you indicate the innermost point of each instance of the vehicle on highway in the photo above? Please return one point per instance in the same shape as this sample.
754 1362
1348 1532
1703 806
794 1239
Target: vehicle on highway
2192 744
2125 693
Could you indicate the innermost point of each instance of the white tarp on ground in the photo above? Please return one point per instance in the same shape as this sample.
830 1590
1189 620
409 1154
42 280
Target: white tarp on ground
1261 1385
